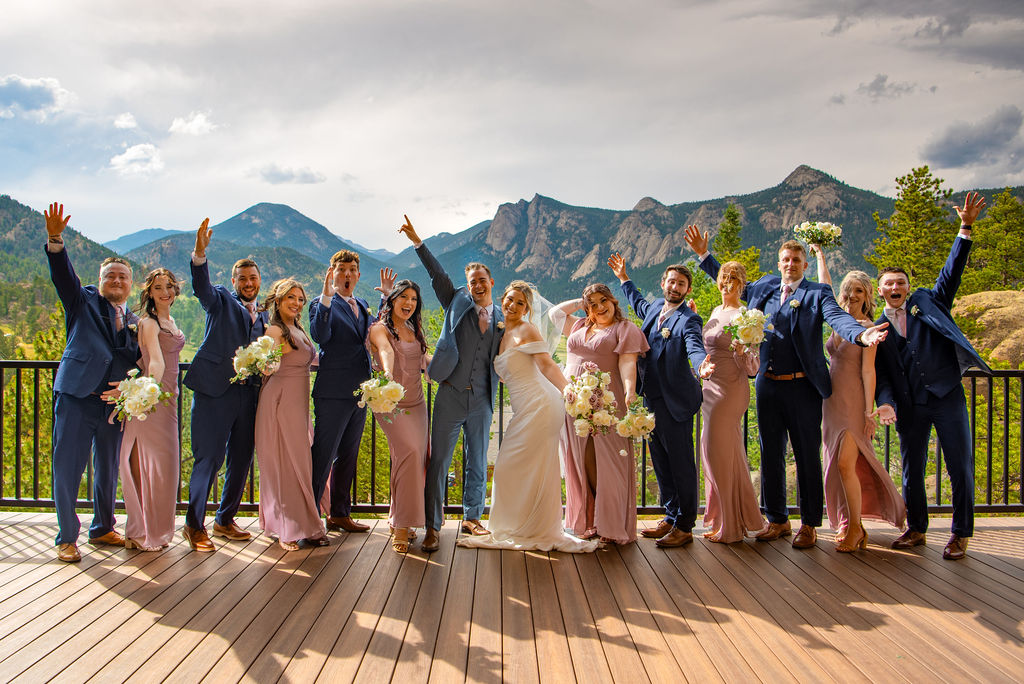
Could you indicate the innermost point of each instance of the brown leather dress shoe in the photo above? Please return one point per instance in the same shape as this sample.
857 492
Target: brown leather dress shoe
956 548
658 531
431 541
68 553
805 538
111 538
675 537
231 531
474 527
346 524
197 539
774 531
908 540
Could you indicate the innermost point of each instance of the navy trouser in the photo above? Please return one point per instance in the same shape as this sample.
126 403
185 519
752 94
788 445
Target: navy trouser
336 436
675 466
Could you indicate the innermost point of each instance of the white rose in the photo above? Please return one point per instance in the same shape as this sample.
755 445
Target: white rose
582 427
623 428
265 342
393 392
581 408
590 382
602 418
584 394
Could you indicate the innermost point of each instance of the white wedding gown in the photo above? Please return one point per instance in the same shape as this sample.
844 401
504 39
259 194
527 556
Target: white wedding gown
526 494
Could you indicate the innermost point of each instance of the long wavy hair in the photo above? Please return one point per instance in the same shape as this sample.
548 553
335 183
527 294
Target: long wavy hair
388 308
277 292
147 304
846 289
601 288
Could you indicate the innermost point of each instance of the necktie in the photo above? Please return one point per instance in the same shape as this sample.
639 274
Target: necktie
251 306
664 314
786 291
355 308
484 321
901 321
118 319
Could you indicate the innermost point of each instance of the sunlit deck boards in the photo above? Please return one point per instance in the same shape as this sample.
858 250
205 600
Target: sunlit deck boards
356 611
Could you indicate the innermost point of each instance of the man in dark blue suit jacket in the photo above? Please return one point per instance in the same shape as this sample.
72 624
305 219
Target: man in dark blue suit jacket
792 381
672 392
918 370
101 348
338 323
223 414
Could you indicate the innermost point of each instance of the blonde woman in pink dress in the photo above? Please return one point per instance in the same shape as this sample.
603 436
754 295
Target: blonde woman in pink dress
731 508
600 470
400 350
149 449
856 483
283 428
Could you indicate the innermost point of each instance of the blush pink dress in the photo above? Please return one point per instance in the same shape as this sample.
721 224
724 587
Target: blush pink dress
610 509
283 440
149 501
843 414
731 508
406 430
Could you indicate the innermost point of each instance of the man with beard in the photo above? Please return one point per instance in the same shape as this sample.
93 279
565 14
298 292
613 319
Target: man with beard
918 370
671 390
223 414
100 351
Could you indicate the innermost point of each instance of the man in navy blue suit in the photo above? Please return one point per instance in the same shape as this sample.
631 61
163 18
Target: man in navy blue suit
918 370
223 413
101 348
792 381
672 392
338 323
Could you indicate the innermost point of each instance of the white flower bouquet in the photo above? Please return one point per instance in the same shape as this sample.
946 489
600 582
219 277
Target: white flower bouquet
380 394
139 395
820 233
637 424
261 357
748 327
589 401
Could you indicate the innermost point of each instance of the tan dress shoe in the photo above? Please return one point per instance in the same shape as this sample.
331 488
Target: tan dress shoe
197 539
431 541
908 540
774 531
474 527
346 524
805 538
675 537
68 553
111 538
231 531
658 531
956 548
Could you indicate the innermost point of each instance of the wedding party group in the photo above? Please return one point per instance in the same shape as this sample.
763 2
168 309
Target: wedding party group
116 386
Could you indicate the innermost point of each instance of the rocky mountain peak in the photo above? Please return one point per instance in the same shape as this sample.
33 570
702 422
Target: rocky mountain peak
804 176
647 203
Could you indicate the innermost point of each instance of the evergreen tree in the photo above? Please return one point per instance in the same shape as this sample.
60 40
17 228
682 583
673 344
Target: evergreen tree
997 256
727 245
918 235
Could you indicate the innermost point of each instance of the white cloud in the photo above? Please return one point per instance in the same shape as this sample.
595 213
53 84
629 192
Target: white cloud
36 98
196 123
280 175
125 120
138 160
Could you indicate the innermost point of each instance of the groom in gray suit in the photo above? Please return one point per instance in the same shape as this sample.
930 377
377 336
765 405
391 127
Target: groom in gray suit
464 370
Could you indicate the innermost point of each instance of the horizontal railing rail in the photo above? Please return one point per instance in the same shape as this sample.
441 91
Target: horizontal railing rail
26 422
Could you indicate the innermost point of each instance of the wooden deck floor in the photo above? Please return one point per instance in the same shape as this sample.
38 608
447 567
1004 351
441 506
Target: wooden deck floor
356 611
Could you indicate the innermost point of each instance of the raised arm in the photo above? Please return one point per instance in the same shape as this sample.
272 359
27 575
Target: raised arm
320 311
69 287
439 279
201 285
561 315
636 299
948 282
823 273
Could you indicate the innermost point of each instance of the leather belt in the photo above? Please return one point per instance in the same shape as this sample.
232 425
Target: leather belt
785 376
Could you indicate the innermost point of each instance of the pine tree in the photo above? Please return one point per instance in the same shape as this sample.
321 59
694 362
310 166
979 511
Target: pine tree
727 245
996 257
918 235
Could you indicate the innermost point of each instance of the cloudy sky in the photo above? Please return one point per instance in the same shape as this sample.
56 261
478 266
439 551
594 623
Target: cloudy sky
143 115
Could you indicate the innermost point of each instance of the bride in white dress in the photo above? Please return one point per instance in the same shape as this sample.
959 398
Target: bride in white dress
526 493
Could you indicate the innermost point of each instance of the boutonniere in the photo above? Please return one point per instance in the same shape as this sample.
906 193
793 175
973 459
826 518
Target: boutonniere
914 310
794 303
501 325
133 328
666 333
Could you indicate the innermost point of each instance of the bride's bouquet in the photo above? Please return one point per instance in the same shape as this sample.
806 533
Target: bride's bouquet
380 394
139 395
637 424
589 401
820 233
748 327
261 357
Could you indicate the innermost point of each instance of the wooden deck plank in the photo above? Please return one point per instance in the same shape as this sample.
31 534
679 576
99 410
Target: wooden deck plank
588 658
518 653
485 652
451 648
554 661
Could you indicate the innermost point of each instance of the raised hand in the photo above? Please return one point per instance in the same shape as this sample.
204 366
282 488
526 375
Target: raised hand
56 222
697 241
973 204
618 266
387 281
692 304
203 236
874 335
409 231
329 288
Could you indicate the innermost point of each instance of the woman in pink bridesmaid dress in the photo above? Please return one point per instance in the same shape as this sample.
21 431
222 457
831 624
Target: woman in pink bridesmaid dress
731 508
400 350
149 449
283 428
600 470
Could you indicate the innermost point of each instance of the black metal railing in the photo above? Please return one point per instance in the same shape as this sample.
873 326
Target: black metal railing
995 405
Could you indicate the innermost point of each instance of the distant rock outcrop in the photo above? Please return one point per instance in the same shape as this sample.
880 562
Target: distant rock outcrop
1000 316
